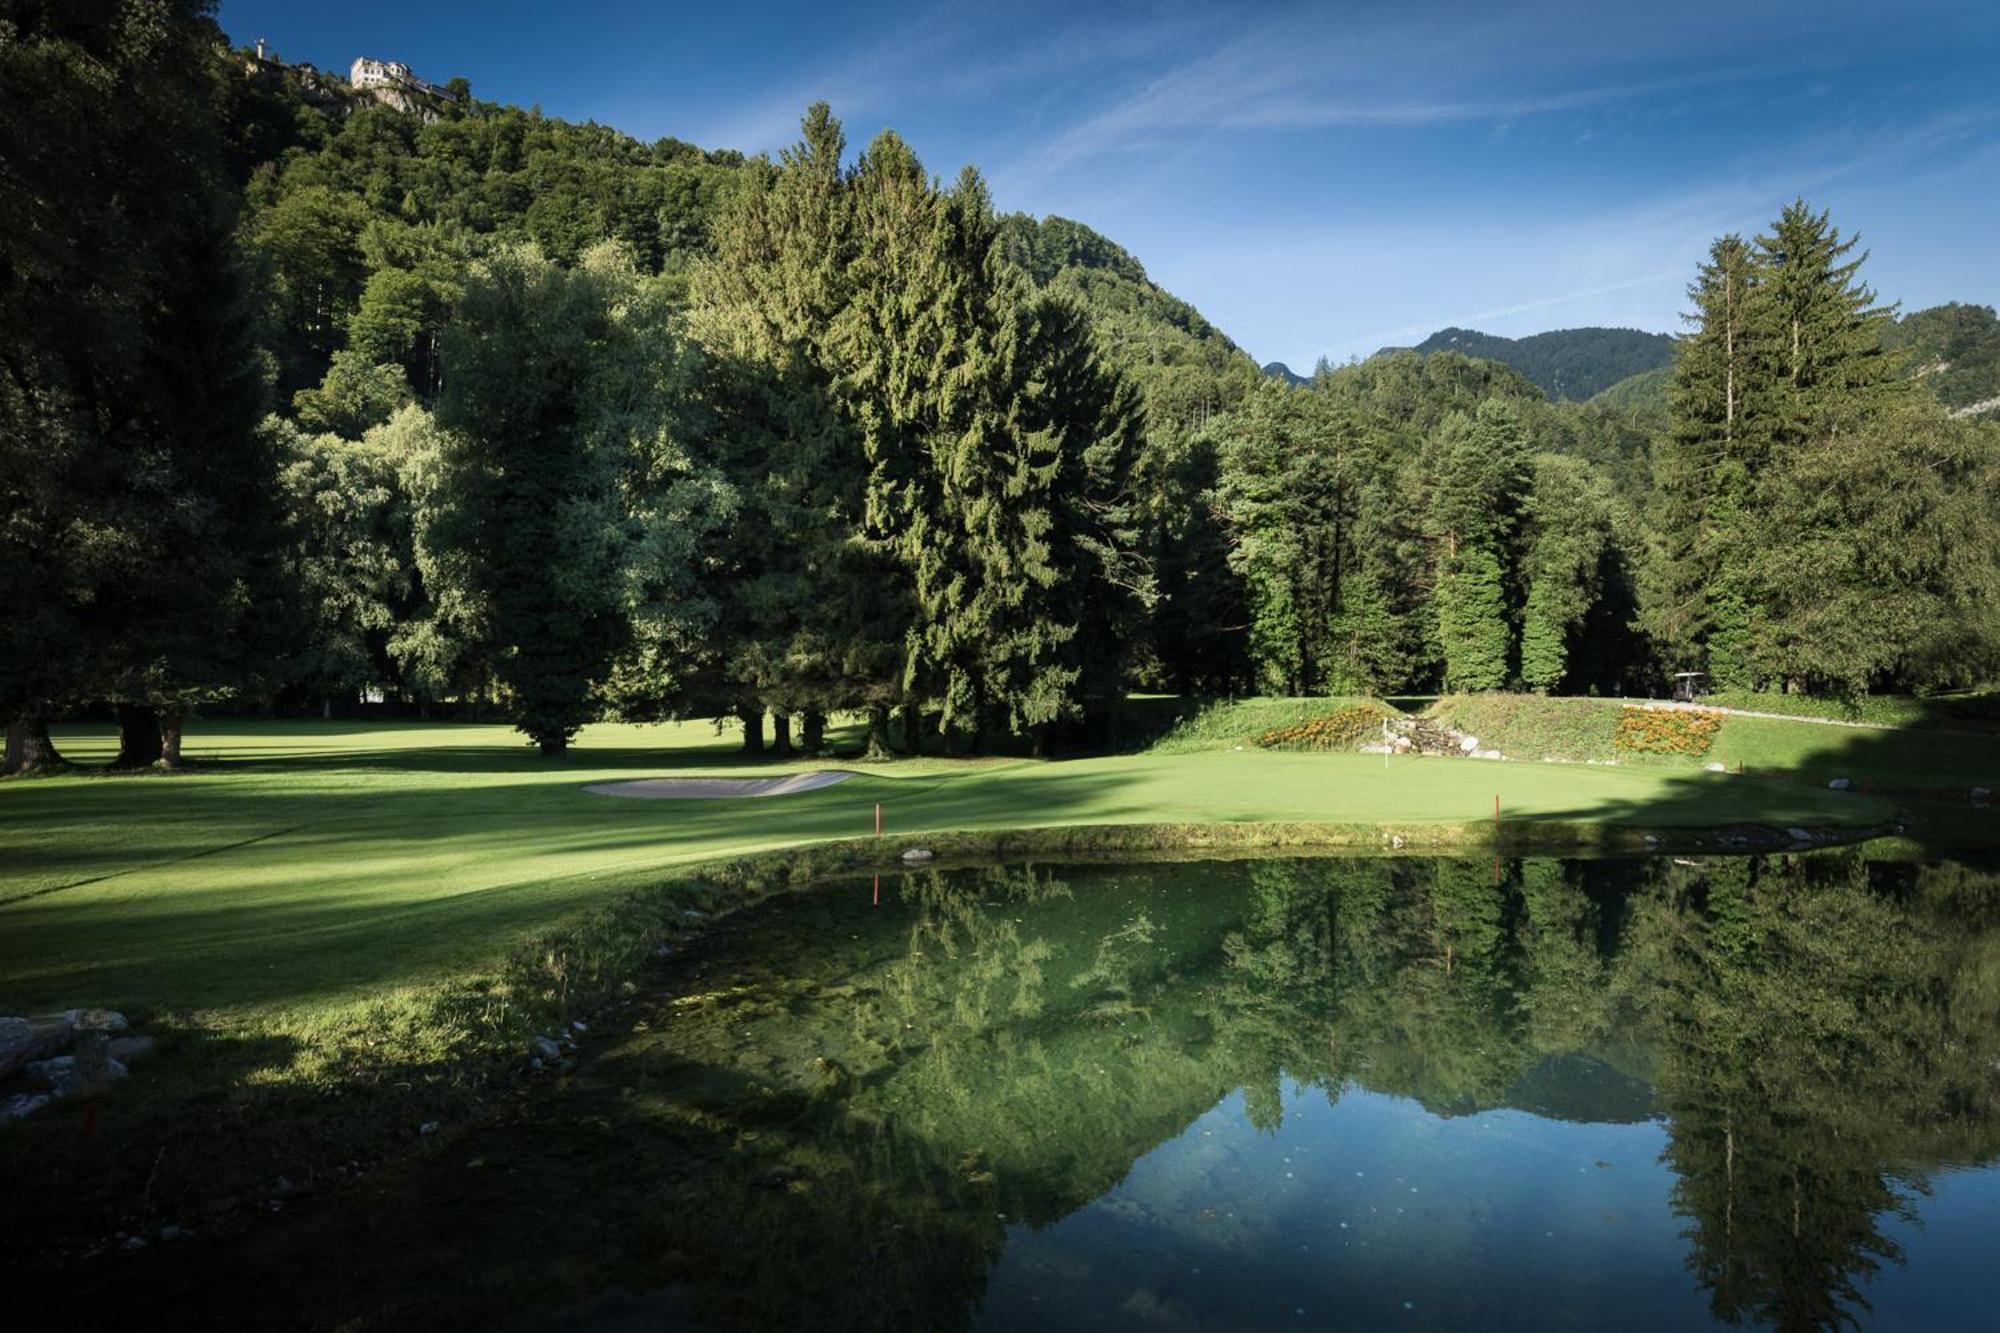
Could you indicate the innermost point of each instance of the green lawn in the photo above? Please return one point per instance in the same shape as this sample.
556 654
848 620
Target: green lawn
307 864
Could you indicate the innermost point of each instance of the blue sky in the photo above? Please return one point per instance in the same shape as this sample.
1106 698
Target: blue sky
1318 179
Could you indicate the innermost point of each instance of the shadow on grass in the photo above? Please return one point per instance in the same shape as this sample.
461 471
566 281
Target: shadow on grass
1918 782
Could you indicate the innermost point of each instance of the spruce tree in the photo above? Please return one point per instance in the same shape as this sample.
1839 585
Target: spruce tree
1472 621
1568 532
1718 445
1481 473
1821 328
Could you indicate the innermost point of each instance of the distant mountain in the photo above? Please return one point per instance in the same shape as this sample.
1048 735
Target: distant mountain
1565 363
1955 351
1278 370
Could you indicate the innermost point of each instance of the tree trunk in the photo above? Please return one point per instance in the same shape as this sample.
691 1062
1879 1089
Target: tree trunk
878 731
781 734
326 707
913 721
1042 740
138 737
170 741
29 749
813 729
753 729
554 745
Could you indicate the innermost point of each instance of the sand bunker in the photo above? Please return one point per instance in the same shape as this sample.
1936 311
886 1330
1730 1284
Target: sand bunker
709 789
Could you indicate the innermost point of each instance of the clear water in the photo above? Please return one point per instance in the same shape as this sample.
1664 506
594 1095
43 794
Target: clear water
1377 1093
1269 1094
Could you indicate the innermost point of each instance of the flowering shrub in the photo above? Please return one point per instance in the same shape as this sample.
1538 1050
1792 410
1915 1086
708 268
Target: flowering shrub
1682 731
1335 731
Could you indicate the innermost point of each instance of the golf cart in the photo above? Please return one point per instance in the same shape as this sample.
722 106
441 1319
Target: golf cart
1690 686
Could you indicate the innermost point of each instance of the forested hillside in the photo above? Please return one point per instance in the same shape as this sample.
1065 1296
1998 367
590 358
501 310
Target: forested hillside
466 407
1954 350
1566 363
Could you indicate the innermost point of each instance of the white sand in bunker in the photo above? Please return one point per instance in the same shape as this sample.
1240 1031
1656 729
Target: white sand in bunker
709 789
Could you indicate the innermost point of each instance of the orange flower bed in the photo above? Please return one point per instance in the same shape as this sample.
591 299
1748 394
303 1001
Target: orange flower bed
1682 731
1336 731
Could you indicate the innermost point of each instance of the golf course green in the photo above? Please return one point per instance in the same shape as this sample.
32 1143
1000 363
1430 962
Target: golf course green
307 864
340 931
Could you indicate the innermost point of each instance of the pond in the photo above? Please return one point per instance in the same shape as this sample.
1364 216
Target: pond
1261 1094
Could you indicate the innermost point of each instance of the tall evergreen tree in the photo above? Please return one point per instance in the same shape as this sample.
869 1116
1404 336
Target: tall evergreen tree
1569 530
1718 444
1480 487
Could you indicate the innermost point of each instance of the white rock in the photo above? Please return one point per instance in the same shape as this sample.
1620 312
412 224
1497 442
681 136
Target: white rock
1714 767
58 1075
127 1049
428 1127
1800 835
22 1104
1981 794
545 1048
918 855
1839 784
25 1039
1468 743
109 1020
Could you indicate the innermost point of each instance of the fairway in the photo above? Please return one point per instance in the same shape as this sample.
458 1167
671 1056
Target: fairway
308 864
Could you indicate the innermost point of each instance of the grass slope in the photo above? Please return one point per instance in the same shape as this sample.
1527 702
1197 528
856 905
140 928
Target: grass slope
309 865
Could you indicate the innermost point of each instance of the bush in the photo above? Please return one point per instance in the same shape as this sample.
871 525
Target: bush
1681 731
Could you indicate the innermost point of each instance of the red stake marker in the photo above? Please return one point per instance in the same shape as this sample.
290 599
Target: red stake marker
878 819
1496 807
878 888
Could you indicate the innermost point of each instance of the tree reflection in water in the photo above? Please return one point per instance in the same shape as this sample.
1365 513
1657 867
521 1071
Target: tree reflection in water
836 1115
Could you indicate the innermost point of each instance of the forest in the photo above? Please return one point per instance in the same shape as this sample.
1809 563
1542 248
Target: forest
473 411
